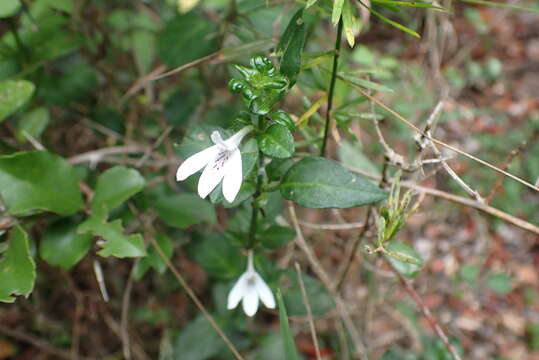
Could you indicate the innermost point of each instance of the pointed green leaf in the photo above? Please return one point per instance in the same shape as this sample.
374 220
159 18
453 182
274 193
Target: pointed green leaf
337 11
292 44
277 142
17 268
114 242
408 3
316 182
13 95
394 23
62 246
350 23
290 350
501 4
115 186
39 180
310 3
404 258
289 32
364 83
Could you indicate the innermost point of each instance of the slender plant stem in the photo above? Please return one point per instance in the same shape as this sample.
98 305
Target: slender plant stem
332 87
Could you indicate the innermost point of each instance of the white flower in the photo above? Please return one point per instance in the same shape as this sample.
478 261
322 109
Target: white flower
250 287
222 161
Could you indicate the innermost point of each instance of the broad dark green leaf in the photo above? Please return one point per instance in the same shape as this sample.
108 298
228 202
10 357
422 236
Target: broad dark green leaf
115 186
186 38
291 46
184 210
17 268
277 142
39 180
154 259
114 242
9 8
33 124
290 350
217 257
404 258
316 182
13 95
276 236
196 341
62 246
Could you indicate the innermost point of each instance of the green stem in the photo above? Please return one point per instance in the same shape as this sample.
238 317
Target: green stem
255 208
332 86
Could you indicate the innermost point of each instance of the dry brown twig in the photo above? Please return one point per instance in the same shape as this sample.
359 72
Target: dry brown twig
360 348
441 143
309 312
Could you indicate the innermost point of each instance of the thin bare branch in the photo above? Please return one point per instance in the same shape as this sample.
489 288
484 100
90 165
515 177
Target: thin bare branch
441 143
309 313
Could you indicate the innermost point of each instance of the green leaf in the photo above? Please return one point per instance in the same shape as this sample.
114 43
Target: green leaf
115 186
415 4
62 246
13 95
290 350
115 242
196 341
39 180
186 38
351 156
17 268
350 23
364 83
320 300
277 142
470 273
404 258
217 257
9 8
500 283
276 236
310 3
316 182
33 123
393 23
291 46
184 210
501 4
154 260
337 11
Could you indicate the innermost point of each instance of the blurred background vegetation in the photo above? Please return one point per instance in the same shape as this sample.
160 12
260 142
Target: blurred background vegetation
88 81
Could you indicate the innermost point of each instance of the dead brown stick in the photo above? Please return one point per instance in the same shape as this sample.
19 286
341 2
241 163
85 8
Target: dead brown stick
37 343
441 143
344 314
426 312
309 313
463 201
195 299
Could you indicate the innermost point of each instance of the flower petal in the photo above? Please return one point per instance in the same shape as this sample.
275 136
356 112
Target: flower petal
264 292
213 173
250 300
238 291
234 141
196 162
233 176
